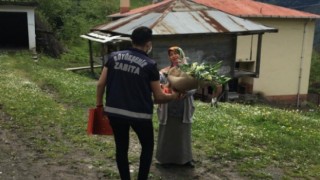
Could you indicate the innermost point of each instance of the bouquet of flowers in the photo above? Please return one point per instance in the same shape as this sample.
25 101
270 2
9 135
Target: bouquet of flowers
194 75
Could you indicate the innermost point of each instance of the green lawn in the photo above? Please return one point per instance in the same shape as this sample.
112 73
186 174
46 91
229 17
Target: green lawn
42 97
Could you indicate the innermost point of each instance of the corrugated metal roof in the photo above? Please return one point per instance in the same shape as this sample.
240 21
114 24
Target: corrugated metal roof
241 8
184 17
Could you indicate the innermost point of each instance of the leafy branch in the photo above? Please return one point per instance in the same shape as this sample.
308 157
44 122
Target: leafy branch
205 72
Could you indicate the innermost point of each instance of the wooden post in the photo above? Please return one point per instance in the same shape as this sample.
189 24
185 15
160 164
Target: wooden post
234 54
91 57
258 61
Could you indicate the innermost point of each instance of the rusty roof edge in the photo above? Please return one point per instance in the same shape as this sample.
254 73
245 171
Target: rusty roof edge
250 32
113 33
223 33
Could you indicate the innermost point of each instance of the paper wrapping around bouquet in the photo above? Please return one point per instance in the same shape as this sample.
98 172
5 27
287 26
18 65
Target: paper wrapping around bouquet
181 81
182 84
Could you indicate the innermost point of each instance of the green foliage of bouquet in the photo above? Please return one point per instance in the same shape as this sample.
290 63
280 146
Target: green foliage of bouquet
204 72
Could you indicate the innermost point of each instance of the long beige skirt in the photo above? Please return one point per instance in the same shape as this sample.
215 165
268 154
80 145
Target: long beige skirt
174 142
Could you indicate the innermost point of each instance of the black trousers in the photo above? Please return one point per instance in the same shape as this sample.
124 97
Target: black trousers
144 130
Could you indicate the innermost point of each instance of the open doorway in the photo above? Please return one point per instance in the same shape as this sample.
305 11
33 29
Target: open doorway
14 30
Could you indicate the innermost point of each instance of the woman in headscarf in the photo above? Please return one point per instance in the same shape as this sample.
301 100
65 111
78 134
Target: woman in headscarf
175 120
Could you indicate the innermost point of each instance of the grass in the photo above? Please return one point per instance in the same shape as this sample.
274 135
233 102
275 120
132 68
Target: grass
42 97
256 137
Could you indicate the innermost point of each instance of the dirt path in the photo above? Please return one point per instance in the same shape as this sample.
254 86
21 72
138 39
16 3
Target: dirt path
19 161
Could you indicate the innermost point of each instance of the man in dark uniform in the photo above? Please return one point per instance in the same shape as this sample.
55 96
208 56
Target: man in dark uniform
130 78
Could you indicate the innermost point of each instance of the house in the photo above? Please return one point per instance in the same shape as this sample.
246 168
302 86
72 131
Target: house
285 56
277 67
205 34
17 18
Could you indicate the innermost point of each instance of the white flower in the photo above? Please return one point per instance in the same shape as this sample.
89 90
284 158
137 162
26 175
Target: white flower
205 72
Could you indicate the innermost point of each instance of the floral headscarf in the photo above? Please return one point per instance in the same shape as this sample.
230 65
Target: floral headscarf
180 52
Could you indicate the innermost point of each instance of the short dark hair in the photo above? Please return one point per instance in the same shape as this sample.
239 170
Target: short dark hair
141 35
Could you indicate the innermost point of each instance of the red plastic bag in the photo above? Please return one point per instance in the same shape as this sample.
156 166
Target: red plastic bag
98 123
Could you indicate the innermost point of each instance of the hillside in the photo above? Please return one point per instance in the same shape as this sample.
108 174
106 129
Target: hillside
292 3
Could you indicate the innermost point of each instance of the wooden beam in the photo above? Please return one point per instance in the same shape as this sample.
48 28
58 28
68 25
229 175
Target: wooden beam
91 57
258 58
82 68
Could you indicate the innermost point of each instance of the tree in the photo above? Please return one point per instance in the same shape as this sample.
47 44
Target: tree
70 18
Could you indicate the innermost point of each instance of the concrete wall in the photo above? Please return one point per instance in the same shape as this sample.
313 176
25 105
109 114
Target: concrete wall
286 56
